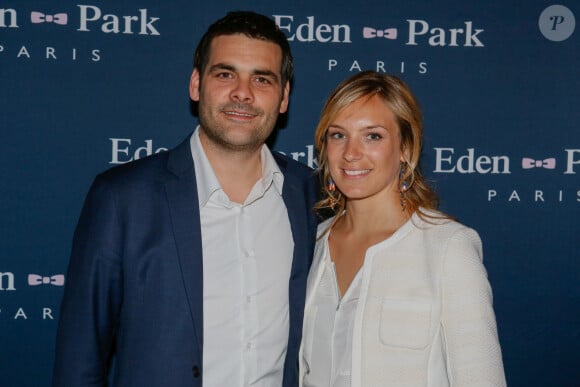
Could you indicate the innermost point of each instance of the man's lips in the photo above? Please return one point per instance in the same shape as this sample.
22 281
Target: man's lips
240 111
239 114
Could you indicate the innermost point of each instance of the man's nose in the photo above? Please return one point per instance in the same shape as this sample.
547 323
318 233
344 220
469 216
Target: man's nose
242 92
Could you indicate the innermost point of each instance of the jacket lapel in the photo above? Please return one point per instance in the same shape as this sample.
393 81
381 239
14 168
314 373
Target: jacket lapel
182 199
296 204
296 201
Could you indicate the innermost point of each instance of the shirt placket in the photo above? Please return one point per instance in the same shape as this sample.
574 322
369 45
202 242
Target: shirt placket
248 295
337 316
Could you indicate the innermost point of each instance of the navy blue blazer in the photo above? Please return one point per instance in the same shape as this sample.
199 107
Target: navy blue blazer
134 291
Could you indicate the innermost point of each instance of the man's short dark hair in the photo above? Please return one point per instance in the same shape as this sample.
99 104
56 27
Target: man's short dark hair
252 25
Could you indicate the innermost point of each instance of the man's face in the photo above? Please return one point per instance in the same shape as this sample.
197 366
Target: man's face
239 94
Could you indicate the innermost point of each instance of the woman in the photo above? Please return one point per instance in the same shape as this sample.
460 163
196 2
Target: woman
397 294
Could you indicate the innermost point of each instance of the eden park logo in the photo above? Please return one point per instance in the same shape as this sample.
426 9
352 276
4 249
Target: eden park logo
87 18
447 161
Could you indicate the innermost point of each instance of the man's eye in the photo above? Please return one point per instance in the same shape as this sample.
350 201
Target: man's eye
263 80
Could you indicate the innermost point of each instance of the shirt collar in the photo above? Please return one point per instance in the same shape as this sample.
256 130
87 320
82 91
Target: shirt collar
207 181
271 172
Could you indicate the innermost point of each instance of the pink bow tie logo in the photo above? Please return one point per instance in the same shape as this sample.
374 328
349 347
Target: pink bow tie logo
528 163
370 33
35 279
39 17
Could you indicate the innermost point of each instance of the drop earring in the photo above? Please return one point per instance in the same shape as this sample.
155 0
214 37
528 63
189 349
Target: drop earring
403 187
331 186
332 197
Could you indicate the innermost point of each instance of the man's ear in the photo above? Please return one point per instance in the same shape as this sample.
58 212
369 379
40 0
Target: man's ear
285 98
194 85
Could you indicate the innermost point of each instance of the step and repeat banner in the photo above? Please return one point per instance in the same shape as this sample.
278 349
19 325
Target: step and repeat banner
85 86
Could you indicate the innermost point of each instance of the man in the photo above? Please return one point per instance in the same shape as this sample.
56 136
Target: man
191 265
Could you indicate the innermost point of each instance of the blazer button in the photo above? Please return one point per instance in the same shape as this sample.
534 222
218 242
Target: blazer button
196 372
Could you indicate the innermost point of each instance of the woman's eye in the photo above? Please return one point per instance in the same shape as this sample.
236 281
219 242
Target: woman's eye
335 135
374 136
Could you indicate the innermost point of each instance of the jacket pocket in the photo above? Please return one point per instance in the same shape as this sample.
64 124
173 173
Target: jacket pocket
405 323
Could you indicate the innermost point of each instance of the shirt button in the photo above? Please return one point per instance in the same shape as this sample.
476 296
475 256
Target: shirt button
249 346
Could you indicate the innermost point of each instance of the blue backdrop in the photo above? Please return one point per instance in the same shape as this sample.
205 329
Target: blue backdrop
84 87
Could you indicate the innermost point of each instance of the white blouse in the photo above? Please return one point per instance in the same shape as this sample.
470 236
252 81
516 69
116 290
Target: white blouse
331 357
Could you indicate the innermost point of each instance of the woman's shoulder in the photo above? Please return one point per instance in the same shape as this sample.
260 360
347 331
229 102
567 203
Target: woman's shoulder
443 225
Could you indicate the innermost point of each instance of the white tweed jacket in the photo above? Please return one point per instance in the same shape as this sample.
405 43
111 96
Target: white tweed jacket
425 315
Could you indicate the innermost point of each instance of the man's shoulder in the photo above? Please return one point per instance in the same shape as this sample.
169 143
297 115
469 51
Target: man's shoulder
291 166
150 168
144 168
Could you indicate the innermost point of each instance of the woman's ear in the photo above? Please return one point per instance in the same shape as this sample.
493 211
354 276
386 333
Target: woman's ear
405 154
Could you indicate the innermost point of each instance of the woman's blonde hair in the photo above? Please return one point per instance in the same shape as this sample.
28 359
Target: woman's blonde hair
398 97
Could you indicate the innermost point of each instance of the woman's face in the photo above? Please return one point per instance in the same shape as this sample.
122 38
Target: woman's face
364 150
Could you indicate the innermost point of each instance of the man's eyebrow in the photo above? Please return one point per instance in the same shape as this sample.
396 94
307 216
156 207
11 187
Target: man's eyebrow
221 66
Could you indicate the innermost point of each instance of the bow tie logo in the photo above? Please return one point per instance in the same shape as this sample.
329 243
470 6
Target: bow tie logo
370 33
35 279
39 17
528 163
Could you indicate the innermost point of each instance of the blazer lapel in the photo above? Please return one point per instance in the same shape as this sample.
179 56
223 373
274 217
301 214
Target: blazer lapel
296 204
296 201
182 199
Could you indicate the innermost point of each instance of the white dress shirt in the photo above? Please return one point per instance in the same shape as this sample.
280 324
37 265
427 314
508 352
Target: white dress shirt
247 258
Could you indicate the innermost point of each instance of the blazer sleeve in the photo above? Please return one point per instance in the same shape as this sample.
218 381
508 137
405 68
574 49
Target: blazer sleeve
93 294
469 326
